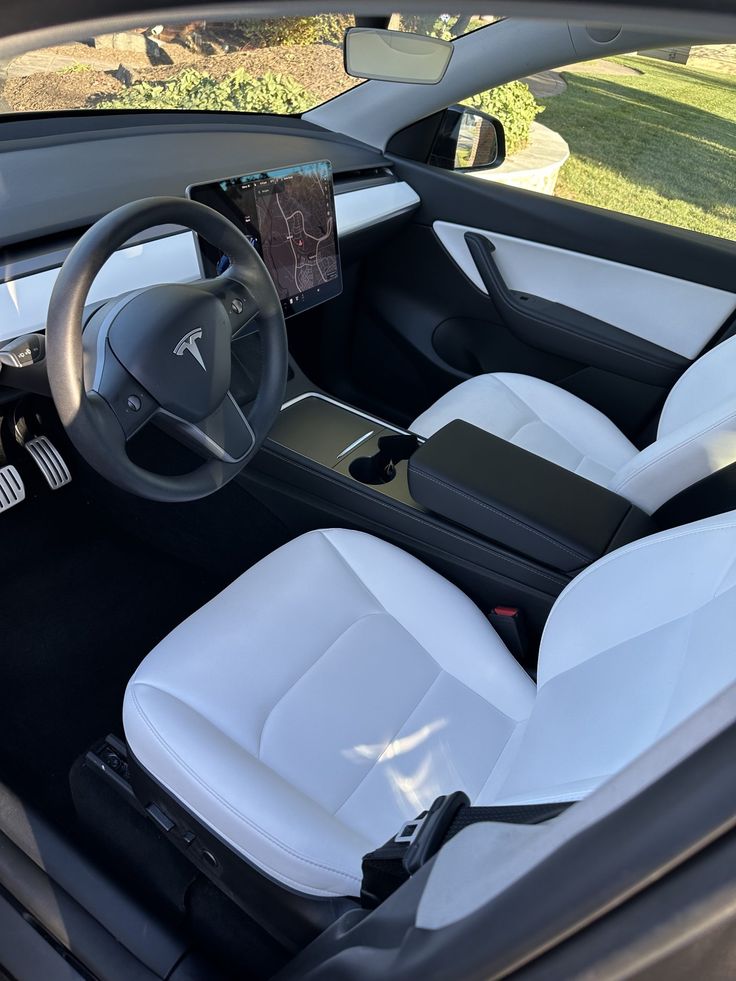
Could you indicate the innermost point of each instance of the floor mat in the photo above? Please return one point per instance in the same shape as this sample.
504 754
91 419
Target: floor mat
81 603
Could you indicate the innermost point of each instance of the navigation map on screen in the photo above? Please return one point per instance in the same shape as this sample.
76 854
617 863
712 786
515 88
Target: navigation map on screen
289 217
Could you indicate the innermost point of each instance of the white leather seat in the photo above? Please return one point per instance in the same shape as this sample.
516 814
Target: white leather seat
339 686
695 438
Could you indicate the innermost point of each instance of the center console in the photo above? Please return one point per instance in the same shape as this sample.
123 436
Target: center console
507 527
348 442
328 464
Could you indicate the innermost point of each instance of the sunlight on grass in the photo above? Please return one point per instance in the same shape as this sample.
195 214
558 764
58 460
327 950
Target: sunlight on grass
658 145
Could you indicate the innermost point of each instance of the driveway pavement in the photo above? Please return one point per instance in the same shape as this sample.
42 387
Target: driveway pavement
50 61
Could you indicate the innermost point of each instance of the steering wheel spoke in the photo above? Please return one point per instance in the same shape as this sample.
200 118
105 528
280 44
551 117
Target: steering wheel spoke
129 402
225 436
241 307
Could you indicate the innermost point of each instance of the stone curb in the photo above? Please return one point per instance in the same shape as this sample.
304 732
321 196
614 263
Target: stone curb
537 167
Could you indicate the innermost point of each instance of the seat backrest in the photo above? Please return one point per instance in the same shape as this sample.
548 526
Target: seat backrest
633 645
696 435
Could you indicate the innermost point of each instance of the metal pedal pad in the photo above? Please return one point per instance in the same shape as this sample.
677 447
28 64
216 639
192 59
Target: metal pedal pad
12 489
49 461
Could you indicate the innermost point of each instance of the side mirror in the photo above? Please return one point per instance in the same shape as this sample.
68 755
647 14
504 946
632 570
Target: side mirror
395 56
468 139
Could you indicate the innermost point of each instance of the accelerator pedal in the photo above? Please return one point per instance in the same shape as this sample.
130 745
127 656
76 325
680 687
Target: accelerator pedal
49 461
12 488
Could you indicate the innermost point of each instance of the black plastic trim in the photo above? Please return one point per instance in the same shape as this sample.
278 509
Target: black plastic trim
71 925
292 918
516 498
310 496
714 494
30 952
683 926
64 876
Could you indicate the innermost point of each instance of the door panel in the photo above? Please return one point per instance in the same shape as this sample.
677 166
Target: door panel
678 315
424 321
419 328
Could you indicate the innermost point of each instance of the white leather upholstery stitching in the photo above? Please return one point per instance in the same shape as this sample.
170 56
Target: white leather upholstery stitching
685 532
302 676
375 763
336 549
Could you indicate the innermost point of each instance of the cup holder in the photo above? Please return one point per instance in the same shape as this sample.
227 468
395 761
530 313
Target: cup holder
381 467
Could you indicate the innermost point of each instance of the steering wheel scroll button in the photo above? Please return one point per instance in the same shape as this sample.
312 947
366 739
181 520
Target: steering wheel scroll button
131 406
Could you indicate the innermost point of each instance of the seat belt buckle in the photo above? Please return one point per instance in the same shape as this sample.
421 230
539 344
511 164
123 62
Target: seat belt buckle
426 834
410 830
509 624
416 841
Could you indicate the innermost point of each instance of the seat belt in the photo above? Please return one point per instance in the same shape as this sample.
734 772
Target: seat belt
388 867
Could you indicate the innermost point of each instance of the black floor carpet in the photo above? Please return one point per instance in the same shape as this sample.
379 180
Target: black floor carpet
92 579
81 603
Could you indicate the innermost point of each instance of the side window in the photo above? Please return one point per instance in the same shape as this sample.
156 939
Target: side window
652 134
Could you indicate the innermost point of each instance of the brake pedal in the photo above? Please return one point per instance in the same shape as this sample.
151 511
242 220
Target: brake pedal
12 488
49 461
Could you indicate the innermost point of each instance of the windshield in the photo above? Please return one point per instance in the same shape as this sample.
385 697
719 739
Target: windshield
282 65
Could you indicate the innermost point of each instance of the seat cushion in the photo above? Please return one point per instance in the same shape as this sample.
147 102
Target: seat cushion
539 417
333 691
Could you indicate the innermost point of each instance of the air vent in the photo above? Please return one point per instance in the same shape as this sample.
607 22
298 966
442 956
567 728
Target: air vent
12 491
356 180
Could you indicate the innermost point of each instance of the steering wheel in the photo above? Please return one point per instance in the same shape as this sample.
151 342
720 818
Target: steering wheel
163 354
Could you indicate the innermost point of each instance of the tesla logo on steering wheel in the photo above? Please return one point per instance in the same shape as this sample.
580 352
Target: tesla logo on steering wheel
189 343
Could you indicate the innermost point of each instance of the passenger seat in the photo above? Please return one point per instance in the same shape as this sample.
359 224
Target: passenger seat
696 435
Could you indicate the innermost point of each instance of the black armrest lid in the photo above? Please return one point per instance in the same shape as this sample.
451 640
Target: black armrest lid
515 497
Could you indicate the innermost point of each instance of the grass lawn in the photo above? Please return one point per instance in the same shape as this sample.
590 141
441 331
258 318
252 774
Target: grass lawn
659 145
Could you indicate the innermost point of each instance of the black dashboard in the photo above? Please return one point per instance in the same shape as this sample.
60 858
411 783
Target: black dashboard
120 157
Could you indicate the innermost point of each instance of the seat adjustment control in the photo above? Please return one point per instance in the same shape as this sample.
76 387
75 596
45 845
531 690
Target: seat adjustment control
162 820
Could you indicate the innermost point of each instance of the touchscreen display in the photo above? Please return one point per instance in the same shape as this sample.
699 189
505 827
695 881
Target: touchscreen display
289 217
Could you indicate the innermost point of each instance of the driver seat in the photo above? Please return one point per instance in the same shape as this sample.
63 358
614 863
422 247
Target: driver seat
339 686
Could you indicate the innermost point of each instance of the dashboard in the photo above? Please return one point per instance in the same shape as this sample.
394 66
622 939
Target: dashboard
128 156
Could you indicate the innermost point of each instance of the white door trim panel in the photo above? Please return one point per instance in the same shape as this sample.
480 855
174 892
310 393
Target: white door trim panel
674 313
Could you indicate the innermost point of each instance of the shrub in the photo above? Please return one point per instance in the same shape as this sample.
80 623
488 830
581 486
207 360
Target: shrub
515 106
78 66
271 33
445 26
238 91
